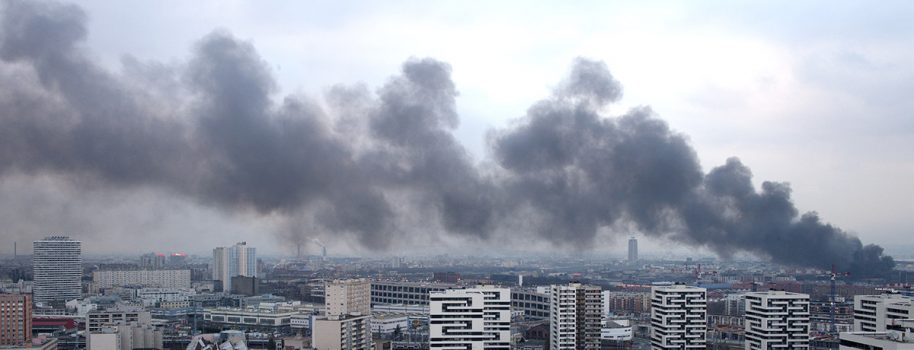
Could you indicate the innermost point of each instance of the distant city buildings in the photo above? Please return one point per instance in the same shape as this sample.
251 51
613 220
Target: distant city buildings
632 249
777 320
575 317
15 319
152 261
236 260
678 317
57 269
470 319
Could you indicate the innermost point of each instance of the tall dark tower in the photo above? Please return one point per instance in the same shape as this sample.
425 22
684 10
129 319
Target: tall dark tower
632 249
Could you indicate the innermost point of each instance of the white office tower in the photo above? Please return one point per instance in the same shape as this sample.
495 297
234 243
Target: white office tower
777 320
632 249
679 317
57 266
346 324
237 260
470 319
874 313
576 314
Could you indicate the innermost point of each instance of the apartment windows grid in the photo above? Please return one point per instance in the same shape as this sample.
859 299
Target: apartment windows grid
777 320
678 317
470 319
57 269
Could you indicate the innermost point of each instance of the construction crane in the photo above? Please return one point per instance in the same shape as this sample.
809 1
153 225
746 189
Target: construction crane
833 299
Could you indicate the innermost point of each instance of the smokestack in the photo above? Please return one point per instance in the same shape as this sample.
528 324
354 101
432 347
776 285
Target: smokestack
520 280
14 250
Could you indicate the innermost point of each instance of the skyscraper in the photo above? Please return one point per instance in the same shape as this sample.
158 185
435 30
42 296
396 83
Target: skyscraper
237 260
679 317
632 249
777 320
57 269
575 311
474 319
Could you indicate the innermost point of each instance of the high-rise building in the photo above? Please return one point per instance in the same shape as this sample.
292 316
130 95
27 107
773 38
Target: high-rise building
15 319
152 261
777 320
632 249
347 322
57 269
679 317
237 260
874 313
575 311
470 319
348 297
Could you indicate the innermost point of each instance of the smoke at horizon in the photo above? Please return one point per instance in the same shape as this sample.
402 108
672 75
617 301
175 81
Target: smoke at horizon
381 165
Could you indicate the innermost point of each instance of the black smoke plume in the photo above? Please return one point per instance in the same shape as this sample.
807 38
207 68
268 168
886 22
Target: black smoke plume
380 165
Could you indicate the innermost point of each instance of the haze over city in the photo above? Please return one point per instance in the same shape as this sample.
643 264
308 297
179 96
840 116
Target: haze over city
421 127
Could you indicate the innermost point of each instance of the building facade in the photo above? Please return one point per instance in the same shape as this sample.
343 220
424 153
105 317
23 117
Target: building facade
237 260
144 278
348 297
874 313
57 269
15 319
97 320
575 312
534 304
470 319
407 293
679 317
777 320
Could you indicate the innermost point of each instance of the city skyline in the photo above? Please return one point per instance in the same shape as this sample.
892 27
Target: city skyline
165 203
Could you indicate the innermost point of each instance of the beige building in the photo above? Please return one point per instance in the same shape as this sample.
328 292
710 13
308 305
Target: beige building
124 336
348 297
345 333
347 322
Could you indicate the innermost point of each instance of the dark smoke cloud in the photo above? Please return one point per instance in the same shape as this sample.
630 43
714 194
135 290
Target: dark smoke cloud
375 166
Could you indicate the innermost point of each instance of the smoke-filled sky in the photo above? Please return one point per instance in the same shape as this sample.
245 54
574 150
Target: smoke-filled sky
448 127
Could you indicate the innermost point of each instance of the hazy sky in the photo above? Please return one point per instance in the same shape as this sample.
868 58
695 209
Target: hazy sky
819 94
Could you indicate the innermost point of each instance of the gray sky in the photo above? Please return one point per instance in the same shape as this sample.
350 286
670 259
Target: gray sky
817 94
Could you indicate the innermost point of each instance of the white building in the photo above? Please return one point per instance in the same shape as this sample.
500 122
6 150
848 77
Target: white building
898 336
237 260
165 298
576 312
678 317
57 266
873 312
777 320
470 319
616 330
145 278
97 320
